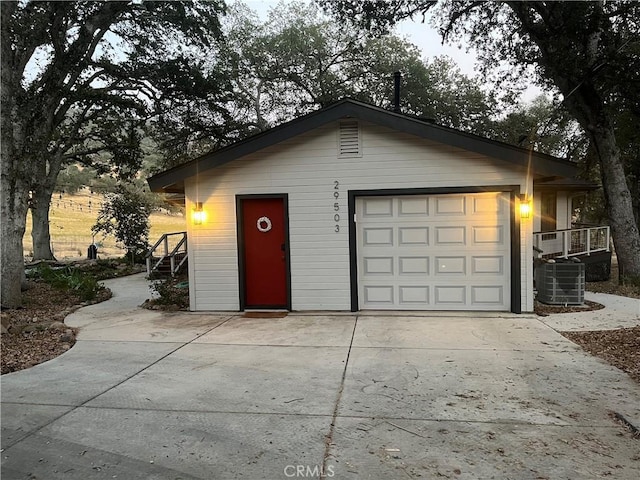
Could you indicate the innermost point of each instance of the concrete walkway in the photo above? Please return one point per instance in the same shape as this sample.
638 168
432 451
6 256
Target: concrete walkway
619 312
149 395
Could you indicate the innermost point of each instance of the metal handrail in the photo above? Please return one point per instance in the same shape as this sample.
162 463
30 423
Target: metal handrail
164 241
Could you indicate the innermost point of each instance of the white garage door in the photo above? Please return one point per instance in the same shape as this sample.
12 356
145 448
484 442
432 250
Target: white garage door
435 252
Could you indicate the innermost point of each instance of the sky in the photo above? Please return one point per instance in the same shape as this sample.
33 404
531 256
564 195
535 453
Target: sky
428 40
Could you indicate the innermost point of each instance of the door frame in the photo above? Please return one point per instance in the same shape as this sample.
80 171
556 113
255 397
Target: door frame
242 281
514 232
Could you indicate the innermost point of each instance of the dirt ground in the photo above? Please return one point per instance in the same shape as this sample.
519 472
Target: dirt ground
621 348
35 333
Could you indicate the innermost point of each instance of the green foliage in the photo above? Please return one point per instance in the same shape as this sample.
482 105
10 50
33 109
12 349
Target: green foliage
171 292
543 125
125 215
72 179
70 279
376 16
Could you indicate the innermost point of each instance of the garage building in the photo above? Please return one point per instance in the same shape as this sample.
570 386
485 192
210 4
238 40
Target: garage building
354 207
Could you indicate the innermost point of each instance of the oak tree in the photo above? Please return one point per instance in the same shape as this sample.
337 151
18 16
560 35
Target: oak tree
62 65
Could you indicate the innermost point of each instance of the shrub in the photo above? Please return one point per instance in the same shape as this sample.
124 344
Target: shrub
172 291
72 279
125 215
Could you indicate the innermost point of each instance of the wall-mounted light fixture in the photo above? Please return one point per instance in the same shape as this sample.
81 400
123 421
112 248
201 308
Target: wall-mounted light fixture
199 215
525 206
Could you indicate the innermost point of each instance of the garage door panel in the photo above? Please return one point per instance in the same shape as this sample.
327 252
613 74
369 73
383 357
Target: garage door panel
378 295
487 265
378 207
451 266
451 295
439 252
413 236
413 295
413 265
450 235
378 265
488 234
378 236
487 295
450 205
413 206
487 205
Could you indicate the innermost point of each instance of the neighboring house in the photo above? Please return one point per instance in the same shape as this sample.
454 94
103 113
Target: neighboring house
354 207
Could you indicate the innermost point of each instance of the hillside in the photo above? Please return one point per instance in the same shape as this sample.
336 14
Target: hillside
71 218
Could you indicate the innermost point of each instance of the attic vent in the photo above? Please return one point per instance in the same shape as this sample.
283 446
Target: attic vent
349 139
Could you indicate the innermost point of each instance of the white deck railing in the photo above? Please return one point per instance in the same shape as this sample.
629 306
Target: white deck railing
573 242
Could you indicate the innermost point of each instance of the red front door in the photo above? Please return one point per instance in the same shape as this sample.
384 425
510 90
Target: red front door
264 251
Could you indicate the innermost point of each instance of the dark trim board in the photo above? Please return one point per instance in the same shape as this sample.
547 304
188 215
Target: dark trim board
514 190
353 249
240 240
516 270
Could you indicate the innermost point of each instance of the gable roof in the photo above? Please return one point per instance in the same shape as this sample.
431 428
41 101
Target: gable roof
172 180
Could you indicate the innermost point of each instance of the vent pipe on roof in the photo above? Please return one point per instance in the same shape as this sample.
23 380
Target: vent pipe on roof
397 76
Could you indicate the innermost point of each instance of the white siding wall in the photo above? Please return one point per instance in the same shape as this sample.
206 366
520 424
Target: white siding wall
306 168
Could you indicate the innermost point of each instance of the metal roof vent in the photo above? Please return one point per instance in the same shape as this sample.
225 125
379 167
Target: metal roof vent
349 139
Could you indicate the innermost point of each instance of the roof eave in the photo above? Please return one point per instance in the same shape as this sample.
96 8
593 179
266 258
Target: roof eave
572 184
536 163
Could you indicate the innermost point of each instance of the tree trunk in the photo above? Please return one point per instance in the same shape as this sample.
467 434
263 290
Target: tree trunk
624 228
40 233
588 108
14 179
41 195
13 207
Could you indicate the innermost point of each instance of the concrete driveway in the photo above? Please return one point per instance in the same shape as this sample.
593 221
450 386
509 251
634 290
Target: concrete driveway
180 396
